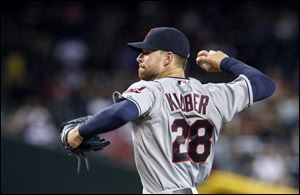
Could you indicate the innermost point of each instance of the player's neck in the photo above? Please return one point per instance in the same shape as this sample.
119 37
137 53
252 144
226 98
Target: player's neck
171 72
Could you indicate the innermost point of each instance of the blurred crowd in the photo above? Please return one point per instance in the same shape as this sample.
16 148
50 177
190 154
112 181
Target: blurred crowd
62 60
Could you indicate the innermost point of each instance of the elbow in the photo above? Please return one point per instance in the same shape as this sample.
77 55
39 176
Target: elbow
272 87
269 87
263 88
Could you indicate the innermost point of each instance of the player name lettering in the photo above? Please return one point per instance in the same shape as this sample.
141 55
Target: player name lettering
187 103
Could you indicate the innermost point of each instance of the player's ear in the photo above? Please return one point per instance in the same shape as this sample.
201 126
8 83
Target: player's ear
169 56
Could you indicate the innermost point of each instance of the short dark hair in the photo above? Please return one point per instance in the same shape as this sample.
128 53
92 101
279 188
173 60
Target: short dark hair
180 61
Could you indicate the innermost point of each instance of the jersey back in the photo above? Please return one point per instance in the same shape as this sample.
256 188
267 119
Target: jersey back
178 126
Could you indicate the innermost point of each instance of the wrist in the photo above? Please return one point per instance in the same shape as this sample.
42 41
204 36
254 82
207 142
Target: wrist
77 133
225 64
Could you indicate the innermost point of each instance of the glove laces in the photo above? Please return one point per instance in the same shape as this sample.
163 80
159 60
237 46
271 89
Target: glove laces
79 156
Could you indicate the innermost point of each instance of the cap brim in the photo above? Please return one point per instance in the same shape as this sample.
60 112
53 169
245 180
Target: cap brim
139 46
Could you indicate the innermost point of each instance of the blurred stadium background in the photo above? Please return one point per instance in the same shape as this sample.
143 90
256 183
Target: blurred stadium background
63 59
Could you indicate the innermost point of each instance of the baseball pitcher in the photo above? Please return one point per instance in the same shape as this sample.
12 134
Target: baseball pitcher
176 120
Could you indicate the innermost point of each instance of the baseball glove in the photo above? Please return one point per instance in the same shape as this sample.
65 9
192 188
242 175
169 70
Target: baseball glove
88 144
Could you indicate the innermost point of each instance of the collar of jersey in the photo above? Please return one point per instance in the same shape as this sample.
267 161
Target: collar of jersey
187 78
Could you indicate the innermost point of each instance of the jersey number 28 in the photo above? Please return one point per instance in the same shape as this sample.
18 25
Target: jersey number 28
190 132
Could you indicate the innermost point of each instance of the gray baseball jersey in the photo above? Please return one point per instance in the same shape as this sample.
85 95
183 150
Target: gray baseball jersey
179 123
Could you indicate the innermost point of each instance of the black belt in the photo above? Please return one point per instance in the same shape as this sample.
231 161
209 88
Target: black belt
183 191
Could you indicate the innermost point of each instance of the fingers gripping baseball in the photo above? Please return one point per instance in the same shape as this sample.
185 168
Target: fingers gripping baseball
203 60
210 61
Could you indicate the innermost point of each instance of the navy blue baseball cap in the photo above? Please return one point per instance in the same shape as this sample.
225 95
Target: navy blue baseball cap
166 39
